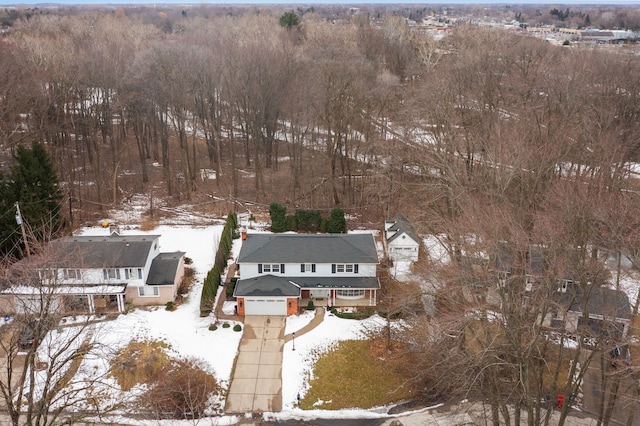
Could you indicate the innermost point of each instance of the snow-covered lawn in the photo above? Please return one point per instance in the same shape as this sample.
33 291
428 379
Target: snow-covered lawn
187 334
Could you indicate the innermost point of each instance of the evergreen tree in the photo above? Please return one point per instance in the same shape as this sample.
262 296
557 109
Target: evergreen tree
337 224
34 184
278 215
289 20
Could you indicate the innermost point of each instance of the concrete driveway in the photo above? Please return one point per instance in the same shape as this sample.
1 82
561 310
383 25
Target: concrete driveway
256 385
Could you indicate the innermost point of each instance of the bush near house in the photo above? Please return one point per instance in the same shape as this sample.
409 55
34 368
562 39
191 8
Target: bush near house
213 279
237 327
182 390
306 220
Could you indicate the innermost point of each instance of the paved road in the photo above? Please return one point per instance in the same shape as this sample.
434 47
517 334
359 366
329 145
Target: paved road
625 401
257 379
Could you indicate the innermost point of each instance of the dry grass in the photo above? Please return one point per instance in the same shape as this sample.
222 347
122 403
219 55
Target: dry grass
139 362
351 376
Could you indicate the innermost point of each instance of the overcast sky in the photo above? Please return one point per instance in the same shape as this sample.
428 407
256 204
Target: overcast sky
307 2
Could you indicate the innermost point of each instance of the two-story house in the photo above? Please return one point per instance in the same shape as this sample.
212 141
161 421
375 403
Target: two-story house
87 274
278 272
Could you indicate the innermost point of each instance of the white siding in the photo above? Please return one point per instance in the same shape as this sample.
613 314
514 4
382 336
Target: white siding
250 270
403 248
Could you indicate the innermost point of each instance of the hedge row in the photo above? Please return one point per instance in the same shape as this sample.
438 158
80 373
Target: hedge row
359 315
306 220
213 279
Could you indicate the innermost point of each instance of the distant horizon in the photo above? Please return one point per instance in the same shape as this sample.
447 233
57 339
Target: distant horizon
40 3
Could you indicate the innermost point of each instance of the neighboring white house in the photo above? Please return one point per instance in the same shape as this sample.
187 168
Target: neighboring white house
278 272
609 312
401 240
94 274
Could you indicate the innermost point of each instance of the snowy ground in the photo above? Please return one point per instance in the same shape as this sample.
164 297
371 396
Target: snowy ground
188 336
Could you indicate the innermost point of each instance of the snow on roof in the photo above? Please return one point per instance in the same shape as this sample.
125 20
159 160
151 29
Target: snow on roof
65 290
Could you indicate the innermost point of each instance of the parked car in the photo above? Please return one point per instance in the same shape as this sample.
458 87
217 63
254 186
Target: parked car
27 336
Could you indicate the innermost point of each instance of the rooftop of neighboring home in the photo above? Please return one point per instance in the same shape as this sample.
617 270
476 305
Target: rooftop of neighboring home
114 251
402 224
597 300
163 268
308 248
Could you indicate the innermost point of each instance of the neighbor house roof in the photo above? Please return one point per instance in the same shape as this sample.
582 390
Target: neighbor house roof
597 300
266 286
113 251
304 248
163 268
403 225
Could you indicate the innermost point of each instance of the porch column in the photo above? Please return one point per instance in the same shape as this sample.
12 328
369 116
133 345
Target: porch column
92 306
120 299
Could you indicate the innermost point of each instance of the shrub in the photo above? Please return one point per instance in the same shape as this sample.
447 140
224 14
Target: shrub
235 234
292 223
237 327
310 306
337 224
181 391
354 315
226 325
230 287
213 327
308 220
170 306
188 260
278 215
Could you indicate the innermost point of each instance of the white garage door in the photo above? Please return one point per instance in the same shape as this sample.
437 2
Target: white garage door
265 306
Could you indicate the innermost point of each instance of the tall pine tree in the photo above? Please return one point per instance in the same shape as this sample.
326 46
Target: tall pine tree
34 184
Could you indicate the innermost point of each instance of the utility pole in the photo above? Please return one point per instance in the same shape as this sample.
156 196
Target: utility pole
21 223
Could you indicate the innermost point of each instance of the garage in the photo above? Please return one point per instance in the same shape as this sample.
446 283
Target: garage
270 306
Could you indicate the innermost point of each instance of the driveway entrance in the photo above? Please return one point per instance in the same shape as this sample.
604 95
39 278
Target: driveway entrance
256 385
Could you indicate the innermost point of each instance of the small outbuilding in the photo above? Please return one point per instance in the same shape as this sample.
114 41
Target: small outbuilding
401 240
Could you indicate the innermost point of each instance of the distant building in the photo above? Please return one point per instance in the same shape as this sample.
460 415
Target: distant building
401 240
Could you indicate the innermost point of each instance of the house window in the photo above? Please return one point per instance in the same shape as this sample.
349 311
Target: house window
133 273
72 274
307 267
148 291
351 294
111 273
47 274
268 267
345 267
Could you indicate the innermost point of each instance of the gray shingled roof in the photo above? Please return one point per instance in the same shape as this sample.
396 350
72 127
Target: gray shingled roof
114 251
402 224
305 248
266 286
163 268
600 301
336 282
